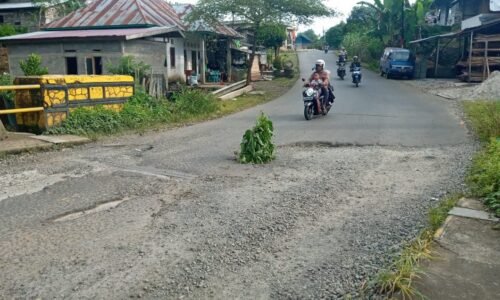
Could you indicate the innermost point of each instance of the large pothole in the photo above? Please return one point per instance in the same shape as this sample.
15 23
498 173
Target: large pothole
92 210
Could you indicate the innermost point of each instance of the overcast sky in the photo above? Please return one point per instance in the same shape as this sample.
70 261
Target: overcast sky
343 6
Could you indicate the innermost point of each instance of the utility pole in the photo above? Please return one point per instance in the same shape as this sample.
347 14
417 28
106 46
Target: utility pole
402 23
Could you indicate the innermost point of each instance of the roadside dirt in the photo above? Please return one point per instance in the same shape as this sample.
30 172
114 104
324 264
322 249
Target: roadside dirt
456 90
316 223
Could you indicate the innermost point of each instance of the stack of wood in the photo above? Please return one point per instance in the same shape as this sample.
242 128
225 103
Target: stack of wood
484 58
4 60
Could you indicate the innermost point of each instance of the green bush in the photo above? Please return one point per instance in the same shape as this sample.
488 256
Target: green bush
32 66
190 102
484 117
484 177
367 48
278 63
129 66
257 145
140 111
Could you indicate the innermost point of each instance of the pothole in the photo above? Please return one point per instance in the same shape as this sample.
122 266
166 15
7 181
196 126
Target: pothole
95 209
324 144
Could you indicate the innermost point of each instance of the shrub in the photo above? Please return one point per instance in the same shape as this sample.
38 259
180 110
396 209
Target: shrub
190 102
278 63
484 117
257 145
484 178
32 66
129 66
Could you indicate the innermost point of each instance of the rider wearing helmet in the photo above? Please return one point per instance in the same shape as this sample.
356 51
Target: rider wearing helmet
342 55
324 76
355 63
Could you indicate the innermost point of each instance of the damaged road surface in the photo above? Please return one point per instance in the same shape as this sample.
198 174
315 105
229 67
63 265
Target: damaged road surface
171 214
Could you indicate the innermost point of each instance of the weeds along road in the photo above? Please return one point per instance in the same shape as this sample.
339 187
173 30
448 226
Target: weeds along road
170 214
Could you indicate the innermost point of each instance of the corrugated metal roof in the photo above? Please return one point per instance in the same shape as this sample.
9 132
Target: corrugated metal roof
4 6
125 34
184 9
109 13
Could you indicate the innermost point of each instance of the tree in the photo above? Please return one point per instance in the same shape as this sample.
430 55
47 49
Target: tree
62 8
311 35
33 66
335 35
259 12
272 35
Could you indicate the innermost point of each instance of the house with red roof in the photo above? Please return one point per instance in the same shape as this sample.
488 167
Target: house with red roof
94 37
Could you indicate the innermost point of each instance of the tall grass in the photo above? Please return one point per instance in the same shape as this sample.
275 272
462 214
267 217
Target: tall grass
140 111
484 175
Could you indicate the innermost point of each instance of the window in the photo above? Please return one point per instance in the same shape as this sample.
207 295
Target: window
98 65
71 66
1 20
172 57
94 65
17 23
89 63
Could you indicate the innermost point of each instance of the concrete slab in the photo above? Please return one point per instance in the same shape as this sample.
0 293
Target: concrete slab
472 213
466 264
471 204
62 139
237 93
14 143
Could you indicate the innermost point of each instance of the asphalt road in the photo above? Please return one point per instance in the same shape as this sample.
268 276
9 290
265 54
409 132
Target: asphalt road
170 214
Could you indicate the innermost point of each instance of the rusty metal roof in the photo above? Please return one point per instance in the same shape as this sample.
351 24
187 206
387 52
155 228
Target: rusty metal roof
106 34
184 9
120 13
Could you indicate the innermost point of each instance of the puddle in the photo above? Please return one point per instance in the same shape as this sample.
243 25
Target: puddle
96 209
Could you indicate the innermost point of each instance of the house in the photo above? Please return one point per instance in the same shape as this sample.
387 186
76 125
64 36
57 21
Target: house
92 38
303 41
216 43
477 43
25 14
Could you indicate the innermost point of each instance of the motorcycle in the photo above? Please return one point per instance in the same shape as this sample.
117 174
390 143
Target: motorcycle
309 96
356 76
341 69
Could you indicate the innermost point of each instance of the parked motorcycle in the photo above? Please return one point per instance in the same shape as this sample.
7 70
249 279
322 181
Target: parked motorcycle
356 76
309 96
341 69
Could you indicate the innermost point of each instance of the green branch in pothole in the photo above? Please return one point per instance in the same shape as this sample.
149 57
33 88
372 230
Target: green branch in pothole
257 145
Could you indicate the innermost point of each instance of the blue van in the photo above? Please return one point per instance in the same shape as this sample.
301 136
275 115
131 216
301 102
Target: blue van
397 62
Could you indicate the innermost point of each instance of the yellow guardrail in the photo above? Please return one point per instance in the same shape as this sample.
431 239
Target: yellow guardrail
44 101
20 110
19 87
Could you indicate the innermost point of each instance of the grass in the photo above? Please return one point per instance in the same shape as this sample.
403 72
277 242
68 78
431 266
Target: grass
143 112
484 117
484 174
401 275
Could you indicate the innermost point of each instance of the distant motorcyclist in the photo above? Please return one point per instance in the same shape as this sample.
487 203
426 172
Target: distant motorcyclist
342 55
355 63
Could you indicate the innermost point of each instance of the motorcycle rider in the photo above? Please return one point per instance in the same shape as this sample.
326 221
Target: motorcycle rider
324 76
355 63
342 55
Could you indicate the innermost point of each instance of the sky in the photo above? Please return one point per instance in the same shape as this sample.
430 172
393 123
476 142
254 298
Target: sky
342 6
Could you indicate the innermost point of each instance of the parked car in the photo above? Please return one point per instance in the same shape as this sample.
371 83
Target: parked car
397 62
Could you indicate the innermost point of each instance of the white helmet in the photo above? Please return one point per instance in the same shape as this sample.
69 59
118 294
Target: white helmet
321 63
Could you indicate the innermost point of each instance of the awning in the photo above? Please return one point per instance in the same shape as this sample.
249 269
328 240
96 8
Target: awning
441 36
